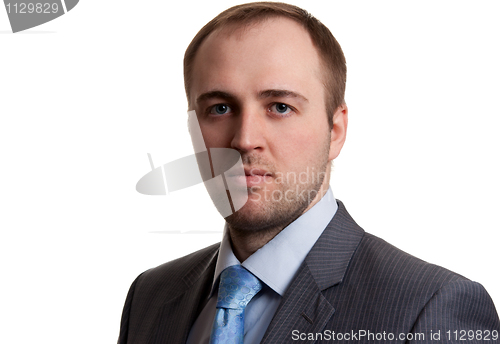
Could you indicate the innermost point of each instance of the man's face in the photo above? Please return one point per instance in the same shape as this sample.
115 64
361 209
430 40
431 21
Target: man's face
259 90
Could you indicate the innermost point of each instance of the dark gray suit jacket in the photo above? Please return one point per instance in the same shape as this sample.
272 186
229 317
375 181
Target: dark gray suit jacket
350 282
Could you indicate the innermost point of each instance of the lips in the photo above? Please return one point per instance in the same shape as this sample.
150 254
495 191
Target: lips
257 172
253 177
257 176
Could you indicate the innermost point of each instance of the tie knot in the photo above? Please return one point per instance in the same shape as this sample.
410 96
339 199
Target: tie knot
237 287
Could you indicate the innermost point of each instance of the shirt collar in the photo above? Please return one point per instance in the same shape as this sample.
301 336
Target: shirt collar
286 251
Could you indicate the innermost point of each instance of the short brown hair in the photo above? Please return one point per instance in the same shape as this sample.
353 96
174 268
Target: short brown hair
329 49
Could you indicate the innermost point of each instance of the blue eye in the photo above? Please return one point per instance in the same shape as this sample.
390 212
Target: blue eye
220 109
281 108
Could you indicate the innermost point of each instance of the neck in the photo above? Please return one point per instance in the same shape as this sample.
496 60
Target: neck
245 243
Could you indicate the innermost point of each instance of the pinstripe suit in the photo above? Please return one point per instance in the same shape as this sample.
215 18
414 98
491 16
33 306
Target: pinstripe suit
350 282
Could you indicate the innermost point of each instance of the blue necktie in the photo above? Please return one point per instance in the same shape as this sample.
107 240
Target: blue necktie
237 287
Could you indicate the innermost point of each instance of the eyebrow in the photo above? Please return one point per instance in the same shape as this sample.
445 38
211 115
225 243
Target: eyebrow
274 93
281 94
214 94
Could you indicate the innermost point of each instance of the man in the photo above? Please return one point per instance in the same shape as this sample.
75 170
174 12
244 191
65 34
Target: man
268 80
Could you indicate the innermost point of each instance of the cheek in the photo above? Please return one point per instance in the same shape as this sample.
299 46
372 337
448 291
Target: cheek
302 148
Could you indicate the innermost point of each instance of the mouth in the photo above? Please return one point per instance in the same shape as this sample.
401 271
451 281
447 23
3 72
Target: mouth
257 176
252 177
250 172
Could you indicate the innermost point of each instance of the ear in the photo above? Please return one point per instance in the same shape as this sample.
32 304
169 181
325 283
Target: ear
338 132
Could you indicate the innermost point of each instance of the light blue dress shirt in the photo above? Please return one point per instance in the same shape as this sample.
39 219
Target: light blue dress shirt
275 264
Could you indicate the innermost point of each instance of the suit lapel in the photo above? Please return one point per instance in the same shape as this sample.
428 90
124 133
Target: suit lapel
304 307
180 312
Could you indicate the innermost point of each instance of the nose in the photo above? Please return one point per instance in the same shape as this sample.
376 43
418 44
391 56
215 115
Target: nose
249 134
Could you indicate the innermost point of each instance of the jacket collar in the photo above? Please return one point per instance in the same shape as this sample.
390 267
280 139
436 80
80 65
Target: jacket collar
304 308
330 256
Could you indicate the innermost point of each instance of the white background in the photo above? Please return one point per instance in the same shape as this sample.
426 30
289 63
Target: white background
83 99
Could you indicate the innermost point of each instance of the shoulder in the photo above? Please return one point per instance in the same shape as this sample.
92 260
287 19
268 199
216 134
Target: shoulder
374 264
409 293
170 276
405 283
156 286
388 264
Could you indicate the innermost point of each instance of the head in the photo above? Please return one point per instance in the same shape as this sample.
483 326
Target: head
333 64
268 80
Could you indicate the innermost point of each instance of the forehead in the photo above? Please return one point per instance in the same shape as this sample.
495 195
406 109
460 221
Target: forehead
273 51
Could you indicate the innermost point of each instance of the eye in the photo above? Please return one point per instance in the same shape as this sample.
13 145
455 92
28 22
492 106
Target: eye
281 109
220 109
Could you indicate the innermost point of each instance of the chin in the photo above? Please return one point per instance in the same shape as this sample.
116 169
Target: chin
261 215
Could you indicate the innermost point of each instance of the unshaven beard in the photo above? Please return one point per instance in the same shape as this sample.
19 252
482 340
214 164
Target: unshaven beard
274 215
